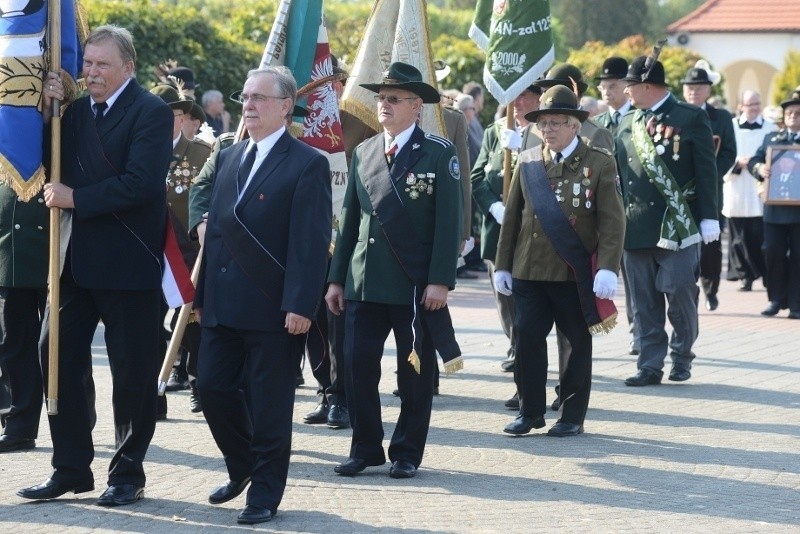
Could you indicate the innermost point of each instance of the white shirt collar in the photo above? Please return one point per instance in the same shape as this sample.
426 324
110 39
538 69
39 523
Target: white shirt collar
264 146
401 138
622 110
177 140
743 119
568 150
113 98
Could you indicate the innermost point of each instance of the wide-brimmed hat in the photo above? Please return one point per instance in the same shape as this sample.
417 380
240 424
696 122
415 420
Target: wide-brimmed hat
558 100
172 97
638 73
793 100
563 74
185 75
404 76
696 76
614 68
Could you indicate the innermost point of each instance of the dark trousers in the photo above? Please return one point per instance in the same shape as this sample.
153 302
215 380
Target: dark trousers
538 306
782 255
246 379
367 326
710 266
326 354
21 312
745 254
131 335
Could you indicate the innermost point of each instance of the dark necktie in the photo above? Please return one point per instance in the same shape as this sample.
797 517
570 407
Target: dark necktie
750 126
247 166
390 153
559 157
99 111
615 119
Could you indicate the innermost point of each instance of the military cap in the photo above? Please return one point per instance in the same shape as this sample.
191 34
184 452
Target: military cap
563 74
614 68
197 112
169 94
404 76
639 73
558 100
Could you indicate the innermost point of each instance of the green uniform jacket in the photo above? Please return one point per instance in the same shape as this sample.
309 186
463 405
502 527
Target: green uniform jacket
694 169
24 239
456 126
428 186
200 193
487 184
188 158
722 126
598 219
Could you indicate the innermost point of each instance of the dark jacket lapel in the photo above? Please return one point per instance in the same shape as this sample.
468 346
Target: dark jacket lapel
275 158
408 155
120 108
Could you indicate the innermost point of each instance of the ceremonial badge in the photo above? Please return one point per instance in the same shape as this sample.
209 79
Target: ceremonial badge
576 189
453 168
576 202
588 204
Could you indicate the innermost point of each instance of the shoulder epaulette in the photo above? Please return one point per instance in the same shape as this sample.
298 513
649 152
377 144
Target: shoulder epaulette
601 149
199 141
441 140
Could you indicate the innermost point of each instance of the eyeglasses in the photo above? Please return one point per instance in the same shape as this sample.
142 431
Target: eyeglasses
391 99
752 104
258 98
178 114
552 124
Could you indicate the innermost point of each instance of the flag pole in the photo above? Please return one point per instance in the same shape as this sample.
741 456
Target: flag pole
507 167
178 331
54 286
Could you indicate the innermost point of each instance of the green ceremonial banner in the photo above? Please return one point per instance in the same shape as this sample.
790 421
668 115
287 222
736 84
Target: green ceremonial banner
520 44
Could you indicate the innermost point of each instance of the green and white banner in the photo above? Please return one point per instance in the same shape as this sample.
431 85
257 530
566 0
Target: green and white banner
517 38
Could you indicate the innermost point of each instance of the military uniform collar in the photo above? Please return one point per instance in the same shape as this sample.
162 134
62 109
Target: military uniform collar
568 150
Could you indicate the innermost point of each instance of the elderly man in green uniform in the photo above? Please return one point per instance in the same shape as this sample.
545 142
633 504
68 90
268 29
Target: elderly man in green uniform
394 263
188 158
487 189
564 206
23 290
668 172
696 90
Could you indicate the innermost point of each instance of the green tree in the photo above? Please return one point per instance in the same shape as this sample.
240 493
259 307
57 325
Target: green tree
788 79
599 20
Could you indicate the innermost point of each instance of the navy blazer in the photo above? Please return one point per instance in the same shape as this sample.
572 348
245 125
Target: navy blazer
285 212
118 172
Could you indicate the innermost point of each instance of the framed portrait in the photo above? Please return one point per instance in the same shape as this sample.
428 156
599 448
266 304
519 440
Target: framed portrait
783 184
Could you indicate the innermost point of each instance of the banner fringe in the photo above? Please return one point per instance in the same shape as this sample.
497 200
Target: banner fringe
454 365
25 190
604 327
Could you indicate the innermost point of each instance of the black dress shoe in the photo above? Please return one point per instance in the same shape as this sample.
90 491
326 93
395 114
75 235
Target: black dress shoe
794 315
680 374
318 416
478 267
712 302
644 377
338 416
556 404
466 275
745 284
523 424
52 489
513 402
353 466
562 429
178 380
772 309
402 469
230 490
120 495
194 401
11 443
253 514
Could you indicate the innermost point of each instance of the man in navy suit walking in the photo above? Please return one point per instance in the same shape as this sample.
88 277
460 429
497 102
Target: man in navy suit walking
117 143
263 269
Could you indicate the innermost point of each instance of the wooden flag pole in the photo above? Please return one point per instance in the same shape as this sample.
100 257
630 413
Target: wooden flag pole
54 286
178 331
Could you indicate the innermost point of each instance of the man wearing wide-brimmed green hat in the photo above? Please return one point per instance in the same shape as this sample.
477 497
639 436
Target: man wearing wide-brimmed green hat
564 206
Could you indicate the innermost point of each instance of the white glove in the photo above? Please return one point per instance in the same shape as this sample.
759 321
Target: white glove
469 244
502 282
709 229
605 284
498 211
510 139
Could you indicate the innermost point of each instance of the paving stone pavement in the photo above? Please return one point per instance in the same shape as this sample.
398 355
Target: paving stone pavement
717 453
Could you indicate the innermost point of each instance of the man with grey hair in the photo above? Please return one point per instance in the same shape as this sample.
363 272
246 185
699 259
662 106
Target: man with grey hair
116 148
263 269
216 115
